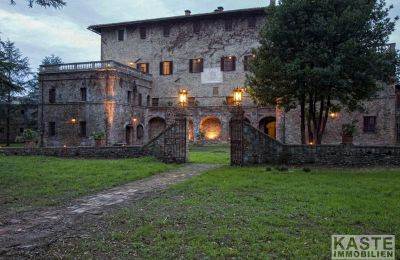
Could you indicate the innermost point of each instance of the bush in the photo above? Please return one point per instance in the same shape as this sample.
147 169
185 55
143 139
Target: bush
30 135
98 135
282 168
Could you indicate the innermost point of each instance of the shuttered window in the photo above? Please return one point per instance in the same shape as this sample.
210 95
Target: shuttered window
228 63
196 65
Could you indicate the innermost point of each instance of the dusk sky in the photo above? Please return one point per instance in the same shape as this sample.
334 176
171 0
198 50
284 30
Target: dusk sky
39 32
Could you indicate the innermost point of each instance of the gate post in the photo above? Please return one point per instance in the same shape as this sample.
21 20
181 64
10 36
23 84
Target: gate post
175 141
236 136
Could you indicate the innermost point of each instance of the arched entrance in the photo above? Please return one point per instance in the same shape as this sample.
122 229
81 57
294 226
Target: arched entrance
156 126
268 126
129 134
211 127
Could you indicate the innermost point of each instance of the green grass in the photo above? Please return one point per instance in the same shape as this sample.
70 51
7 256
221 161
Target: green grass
210 154
251 213
47 181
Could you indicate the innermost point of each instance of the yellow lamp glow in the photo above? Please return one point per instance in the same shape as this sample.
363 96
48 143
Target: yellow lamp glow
73 121
237 96
333 115
183 97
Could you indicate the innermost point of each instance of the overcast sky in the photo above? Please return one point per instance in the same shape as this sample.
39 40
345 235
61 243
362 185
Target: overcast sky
39 32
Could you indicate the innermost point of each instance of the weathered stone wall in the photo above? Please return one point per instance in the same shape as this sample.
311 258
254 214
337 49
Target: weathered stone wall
260 148
107 107
212 43
79 152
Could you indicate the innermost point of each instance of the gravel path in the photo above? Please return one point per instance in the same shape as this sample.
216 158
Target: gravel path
23 234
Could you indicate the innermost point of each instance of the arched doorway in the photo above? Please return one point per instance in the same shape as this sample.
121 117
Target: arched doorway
156 126
268 126
128 134
211 127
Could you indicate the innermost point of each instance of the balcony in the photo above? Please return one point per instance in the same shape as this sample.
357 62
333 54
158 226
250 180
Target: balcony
92 66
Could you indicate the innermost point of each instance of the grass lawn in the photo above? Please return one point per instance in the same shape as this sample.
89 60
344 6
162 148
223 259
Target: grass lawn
12 145
251 213
48 181
210 154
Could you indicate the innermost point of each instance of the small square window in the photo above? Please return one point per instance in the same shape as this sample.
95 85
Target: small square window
228 63
166 30
154 102
52 128
143 67
228 25
166 68
142 32
21 130
369 124
121 35
83 94
196 27
22 112
196 66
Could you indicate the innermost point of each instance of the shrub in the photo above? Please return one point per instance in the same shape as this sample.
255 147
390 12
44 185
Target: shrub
30 135
98 135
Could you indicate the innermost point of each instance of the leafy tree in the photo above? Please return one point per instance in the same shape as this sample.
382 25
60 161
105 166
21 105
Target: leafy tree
322 55
32 85
14 73
44 3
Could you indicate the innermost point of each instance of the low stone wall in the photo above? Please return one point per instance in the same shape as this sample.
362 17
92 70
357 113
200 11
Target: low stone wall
260 148
79 152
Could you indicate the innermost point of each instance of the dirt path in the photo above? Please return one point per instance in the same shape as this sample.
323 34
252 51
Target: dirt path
23 234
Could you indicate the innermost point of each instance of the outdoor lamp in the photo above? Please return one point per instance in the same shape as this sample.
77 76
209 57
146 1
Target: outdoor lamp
333 115
183 97
73 121
237 96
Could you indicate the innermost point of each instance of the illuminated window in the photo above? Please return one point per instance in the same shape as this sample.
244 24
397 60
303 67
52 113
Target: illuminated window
143 67
142 31
247 60
369 124
196 66
121 35
228 25
166 68
228 63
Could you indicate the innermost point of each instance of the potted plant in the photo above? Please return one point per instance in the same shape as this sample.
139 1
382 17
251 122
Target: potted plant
30 137
348 131
99 137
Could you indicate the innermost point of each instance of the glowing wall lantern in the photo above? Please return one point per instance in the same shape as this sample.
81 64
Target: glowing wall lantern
333 115
73 121
183 96
237 96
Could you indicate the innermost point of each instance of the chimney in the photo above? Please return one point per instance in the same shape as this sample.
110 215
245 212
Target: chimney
187 12
219 9
272 2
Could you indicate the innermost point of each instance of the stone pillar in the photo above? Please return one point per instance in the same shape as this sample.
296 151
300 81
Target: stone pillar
236 136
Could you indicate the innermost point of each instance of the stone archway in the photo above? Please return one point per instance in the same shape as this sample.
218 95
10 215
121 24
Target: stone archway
211 127
267 125
156 126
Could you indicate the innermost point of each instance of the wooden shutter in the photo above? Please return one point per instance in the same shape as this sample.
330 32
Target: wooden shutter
233 63
222 64
191 66
171 67
161 68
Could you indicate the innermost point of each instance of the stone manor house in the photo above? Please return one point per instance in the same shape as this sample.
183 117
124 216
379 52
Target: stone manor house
143 66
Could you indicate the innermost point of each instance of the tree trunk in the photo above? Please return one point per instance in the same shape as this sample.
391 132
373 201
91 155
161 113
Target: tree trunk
8 119
303 121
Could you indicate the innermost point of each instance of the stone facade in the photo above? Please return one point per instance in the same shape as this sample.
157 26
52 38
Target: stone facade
23 116
217 40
